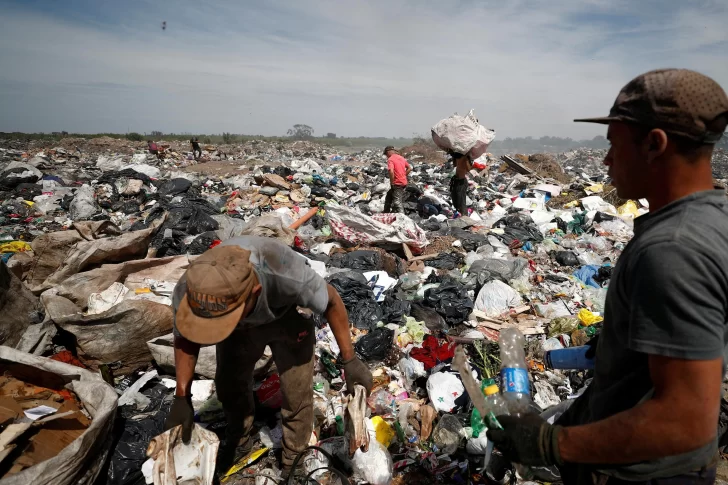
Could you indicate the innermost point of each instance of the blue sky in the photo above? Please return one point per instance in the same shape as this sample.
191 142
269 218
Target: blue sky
375 68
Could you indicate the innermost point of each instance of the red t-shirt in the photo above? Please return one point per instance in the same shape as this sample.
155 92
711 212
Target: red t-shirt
399 165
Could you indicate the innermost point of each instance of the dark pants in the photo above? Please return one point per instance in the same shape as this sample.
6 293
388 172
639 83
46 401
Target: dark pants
394 201
458 193
292 341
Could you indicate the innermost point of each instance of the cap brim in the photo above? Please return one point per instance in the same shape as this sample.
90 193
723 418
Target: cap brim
205 331
605 120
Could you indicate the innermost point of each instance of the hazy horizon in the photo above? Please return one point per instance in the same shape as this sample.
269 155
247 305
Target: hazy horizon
374 69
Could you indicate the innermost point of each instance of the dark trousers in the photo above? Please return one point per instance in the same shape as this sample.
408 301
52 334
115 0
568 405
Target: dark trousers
703 477
458 193
394 201
292 340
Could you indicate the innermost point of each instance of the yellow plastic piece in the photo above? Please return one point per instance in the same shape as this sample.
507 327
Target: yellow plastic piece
492 389
14 247
139 291
629 208
594 189
384 432
246 461
588 318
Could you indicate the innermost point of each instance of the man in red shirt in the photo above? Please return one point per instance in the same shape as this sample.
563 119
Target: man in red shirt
399 169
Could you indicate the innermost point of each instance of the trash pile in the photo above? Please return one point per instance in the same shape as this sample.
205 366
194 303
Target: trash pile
92 247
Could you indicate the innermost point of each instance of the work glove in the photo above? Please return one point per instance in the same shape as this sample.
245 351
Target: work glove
182 413
355 372
529 440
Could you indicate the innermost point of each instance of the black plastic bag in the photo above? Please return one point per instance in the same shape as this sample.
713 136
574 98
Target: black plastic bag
518 227
27 191
432 319
394 310
446 261
200 222
375 345
202 243
359 260
366 314
430 225
500 269
566 258
471 240
174 187
132 436
15 176
450 300
127 173
317 221
352 287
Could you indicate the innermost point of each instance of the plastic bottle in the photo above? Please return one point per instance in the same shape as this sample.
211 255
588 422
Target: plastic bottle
495 403
516 386
570 358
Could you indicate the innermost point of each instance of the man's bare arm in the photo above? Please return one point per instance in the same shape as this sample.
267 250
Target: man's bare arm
185 359
338 320
391 177
680 417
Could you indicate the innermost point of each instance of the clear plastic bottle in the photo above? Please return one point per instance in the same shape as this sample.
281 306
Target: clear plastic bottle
495 404
516 386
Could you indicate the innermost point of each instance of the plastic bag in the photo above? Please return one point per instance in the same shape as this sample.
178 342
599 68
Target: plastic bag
360 260
174 187
352 287
83 205
561 325
566 258
450 300
394 310
366 314
448 434
375 345
504 270
444 389
496 297
172 461
446 261
374 466
463 134
433 321
518 227
588 318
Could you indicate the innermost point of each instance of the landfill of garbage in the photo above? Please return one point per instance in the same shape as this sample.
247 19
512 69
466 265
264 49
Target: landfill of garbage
94 235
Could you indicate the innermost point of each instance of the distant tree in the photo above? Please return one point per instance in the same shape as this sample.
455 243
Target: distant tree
330 135
301 132
228 138
156 134
133 136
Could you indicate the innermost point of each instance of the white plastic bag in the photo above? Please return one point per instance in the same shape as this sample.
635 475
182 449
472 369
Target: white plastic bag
463 134
444 388
375 465
496 297
173 462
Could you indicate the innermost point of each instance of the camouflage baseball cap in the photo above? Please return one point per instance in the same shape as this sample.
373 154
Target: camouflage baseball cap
679 101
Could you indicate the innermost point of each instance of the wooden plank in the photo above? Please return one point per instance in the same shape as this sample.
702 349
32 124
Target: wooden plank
426 257
407 252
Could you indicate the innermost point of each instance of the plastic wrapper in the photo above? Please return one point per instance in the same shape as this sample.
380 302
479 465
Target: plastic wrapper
375 465
448 434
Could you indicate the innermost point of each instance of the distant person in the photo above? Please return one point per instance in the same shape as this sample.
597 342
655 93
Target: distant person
154 149
459 182
398 169
196 152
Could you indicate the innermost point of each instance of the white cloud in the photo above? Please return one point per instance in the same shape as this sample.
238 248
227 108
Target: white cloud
354 68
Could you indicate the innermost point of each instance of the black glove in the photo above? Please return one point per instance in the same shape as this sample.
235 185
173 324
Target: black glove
529 440
591 352
182 413
356 372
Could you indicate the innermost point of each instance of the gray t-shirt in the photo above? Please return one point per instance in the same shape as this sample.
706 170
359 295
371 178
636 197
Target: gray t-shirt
668 296
286 278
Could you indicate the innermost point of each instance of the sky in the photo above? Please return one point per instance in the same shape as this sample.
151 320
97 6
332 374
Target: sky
351 67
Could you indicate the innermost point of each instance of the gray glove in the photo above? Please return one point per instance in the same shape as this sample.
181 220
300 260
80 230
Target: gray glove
356 372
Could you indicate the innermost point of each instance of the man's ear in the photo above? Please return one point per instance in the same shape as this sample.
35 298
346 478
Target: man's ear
257 289
656 144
